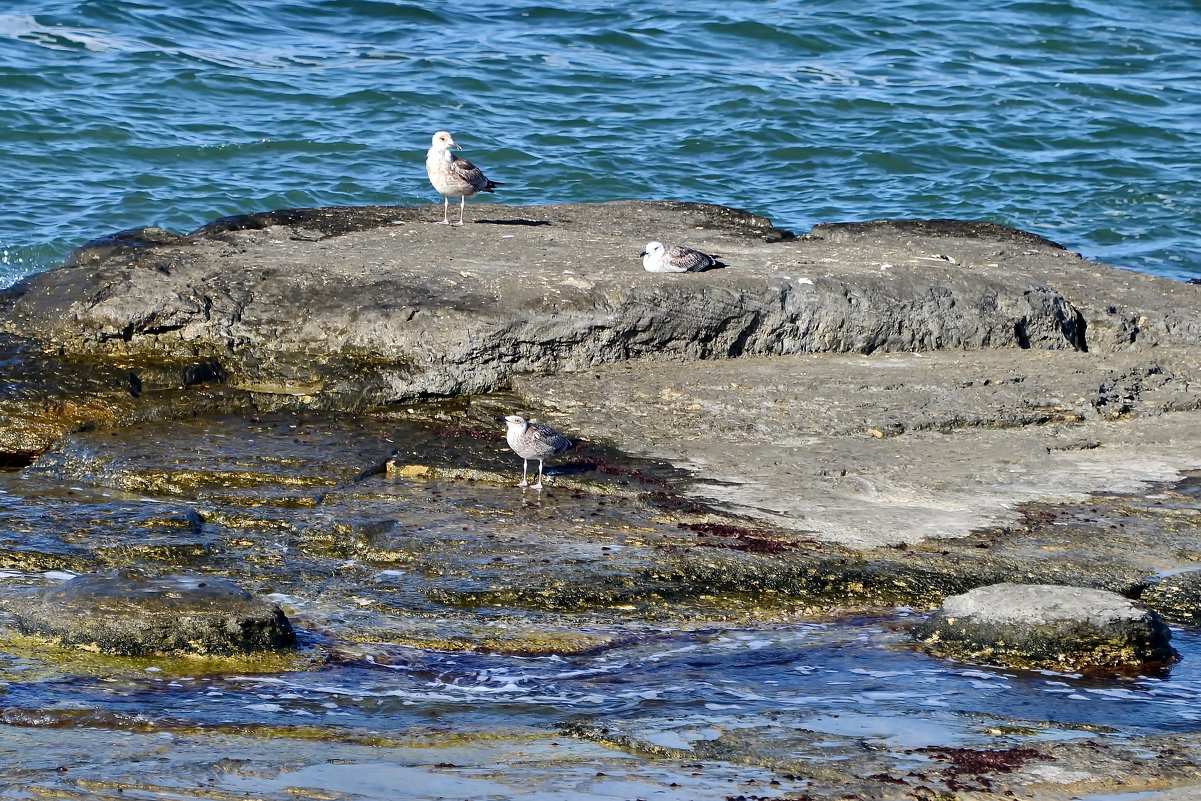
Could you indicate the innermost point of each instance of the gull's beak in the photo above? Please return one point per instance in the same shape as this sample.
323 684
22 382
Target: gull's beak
643 253
456 147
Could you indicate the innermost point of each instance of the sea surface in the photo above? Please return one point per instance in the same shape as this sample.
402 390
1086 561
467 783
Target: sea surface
1075 119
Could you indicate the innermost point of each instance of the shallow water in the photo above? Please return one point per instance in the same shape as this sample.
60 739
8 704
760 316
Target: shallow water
674 689
1072 118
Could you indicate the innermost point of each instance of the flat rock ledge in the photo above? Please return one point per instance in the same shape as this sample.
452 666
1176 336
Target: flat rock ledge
131 615
797 387
1050 627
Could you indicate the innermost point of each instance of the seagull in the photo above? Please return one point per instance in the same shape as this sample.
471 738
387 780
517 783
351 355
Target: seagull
533 441
453 176
660 258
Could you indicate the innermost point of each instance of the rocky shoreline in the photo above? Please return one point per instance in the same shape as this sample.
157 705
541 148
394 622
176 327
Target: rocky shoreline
866 416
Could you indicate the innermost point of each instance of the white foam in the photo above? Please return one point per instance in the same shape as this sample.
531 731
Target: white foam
265 707
59 37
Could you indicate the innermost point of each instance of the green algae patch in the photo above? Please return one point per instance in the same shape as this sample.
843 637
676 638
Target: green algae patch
1176 597
34 561
185 481
135 554
552 480
27 657
416 736
118 721
243 520
512 638
1047 647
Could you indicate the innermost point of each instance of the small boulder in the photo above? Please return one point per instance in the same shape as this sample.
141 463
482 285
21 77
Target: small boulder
128 614
1041 626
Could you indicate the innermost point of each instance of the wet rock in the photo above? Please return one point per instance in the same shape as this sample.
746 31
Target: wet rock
293 501
1177 597
132 615
1133 312
44 526
1047 627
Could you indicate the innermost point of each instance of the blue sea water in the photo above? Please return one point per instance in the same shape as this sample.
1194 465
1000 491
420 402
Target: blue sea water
1076 119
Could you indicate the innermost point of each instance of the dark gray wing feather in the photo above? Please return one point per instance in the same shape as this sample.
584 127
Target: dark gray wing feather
472 174
689 259
547 437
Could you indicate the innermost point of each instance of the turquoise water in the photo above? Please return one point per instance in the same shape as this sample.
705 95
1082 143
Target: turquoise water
1076 119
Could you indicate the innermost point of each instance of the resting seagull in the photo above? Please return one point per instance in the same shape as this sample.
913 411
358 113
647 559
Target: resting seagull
453 176
660 258
533 441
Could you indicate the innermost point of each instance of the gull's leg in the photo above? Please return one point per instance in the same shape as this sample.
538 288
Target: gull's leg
462 208
524 465
539 484
445 211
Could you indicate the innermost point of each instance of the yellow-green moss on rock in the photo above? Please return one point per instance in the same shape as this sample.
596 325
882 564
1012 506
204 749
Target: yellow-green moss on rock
131 615
1041 626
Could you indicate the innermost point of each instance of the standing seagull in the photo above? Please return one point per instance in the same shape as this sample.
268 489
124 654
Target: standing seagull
453 176
533 441
660 258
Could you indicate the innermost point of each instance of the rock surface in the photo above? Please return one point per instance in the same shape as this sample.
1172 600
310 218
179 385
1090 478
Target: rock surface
895 448
916 408
347 307
1047 626
130 615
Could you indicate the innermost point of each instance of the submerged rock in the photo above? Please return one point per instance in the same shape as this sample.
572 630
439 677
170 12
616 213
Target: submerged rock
131 615
1046 626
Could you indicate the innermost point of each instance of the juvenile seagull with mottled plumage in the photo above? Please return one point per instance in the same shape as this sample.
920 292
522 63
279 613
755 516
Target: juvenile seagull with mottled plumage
453 176
533 441
660 258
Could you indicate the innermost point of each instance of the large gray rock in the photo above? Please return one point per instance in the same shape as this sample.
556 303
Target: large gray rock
1047 626
1008 367
132 615
346 307
461 310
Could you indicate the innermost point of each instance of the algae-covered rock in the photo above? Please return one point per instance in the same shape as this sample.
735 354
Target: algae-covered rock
130 615
1048 626
1177 597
